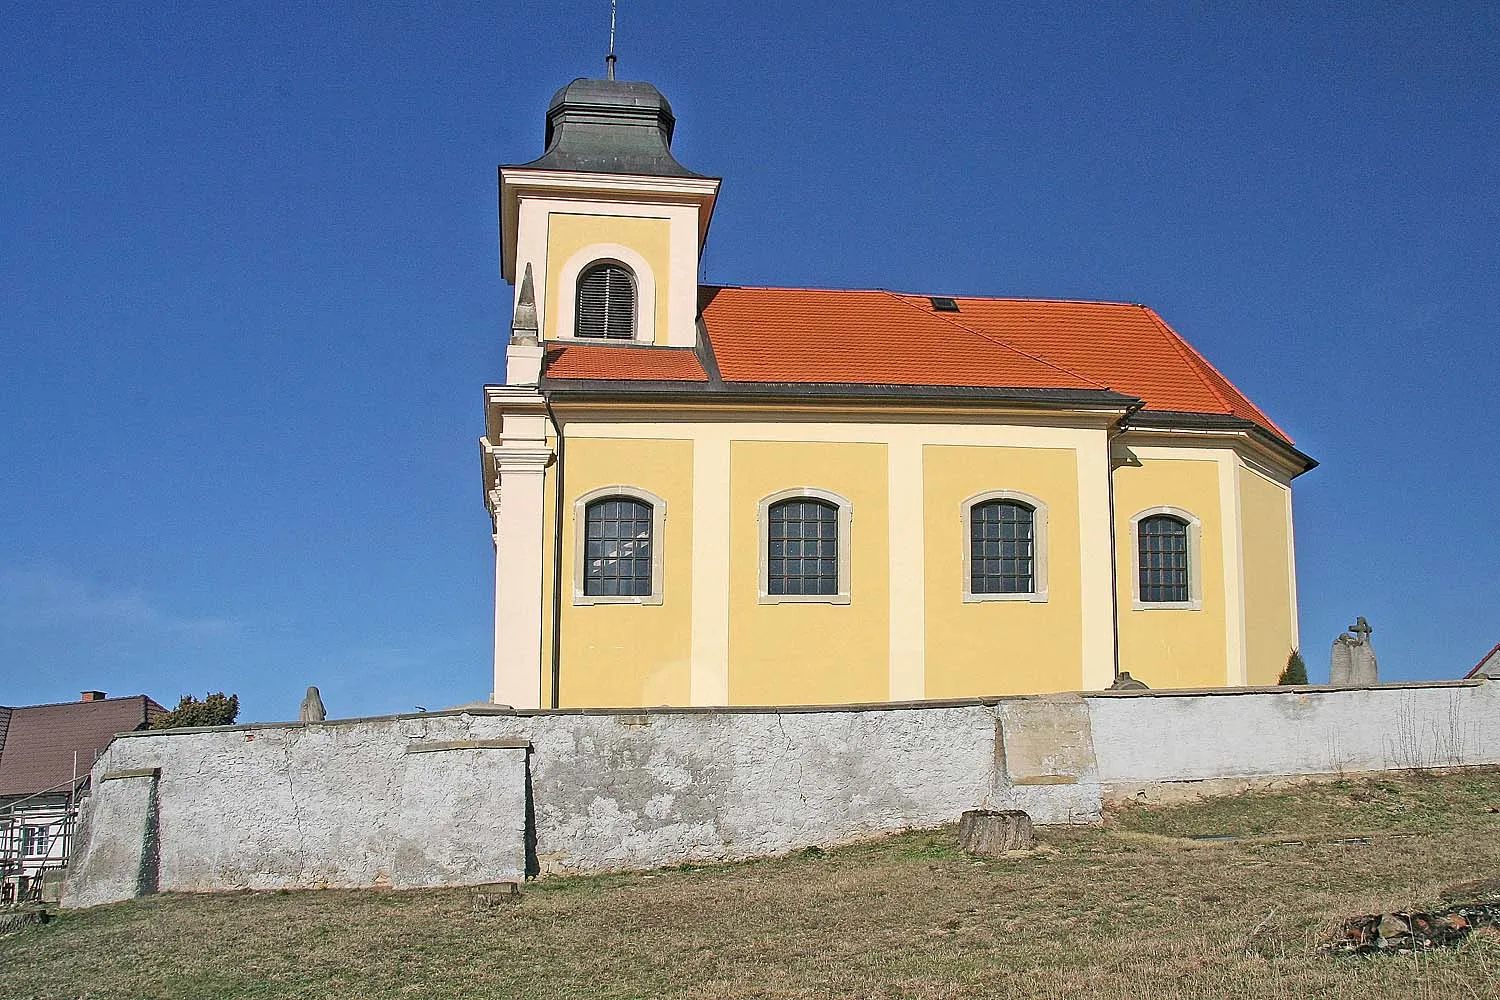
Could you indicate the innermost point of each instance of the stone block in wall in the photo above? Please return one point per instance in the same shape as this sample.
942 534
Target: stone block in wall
115 848
1045 761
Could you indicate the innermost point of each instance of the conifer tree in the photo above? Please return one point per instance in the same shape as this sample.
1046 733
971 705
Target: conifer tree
1296 670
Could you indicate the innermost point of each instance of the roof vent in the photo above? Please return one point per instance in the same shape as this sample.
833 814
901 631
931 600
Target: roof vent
943 305
92 696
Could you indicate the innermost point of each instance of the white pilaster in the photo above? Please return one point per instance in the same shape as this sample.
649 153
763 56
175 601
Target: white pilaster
1096 582
517 501
908 583
1236 653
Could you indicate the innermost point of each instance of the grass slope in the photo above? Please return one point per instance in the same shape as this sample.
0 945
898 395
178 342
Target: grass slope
1123 911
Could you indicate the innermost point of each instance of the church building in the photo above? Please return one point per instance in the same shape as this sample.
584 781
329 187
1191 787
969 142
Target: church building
726 495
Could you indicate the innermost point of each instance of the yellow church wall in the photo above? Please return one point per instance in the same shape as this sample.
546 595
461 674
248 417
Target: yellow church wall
629 654
1012 646
809 653
567 234
1270 626
1170 647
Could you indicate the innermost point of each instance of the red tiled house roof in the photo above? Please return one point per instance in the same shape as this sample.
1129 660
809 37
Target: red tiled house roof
1489 660
880 338
39 743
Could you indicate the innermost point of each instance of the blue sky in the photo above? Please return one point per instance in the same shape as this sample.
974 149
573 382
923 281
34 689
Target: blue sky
249 287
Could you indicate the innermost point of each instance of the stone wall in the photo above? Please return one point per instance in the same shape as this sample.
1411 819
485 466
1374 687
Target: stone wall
485 795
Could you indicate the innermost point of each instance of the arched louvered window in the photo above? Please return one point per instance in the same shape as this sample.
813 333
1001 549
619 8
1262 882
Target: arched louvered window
1164 556
606 302
617 547
1002 548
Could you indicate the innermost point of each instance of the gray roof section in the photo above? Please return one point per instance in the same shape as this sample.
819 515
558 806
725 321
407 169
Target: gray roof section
610 127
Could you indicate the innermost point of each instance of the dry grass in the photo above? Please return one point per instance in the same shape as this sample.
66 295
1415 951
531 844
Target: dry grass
1123 911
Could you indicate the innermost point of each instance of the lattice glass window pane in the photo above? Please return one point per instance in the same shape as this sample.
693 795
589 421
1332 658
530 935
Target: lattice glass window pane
802 542
1163 559
34 841
606 302
617 548
1002 548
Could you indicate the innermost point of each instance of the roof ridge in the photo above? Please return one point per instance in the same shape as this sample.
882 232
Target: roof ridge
791 288
1024 298
983 335
918 295
1198 362
61 704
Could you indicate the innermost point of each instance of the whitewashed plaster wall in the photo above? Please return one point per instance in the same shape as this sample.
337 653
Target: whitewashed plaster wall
485 795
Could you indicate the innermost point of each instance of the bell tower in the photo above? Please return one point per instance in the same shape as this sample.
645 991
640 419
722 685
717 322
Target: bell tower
601 238
610 225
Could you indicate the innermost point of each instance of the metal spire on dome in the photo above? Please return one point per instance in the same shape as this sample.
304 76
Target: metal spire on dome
609 60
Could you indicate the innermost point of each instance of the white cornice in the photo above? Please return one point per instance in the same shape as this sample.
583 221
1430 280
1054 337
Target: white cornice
636 185
893 411
1251 448
514 398
516 182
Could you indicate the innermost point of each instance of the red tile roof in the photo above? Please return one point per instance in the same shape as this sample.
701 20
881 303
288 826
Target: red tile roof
37 755
1127 347
791 335
806 335
652 364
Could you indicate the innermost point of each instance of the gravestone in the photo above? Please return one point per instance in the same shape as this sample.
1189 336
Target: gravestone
312 707
1352 661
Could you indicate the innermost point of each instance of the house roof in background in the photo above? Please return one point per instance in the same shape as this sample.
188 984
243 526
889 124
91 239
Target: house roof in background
40 740
1488 665
874 337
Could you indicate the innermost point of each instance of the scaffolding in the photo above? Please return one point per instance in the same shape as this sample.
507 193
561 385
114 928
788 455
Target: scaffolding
25 872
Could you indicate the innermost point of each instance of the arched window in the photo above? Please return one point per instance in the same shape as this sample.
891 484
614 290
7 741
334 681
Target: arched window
617 559
606 302
1164 560
802 555
805 546
1001 548
1005 547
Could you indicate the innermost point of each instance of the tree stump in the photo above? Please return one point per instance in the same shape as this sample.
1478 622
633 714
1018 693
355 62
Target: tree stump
487 897
991 832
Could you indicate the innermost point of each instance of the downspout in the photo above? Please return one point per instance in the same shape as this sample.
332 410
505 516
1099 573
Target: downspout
557 534
1121 426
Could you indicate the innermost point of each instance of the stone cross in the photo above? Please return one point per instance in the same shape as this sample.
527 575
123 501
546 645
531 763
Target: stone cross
1352 662
312 707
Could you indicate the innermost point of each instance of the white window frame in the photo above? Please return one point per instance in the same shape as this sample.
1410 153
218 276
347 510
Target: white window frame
1195 561
845 545
580 546
567 293
1038 594
35 831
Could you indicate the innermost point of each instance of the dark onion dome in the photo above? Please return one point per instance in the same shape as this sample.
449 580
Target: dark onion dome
610 127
